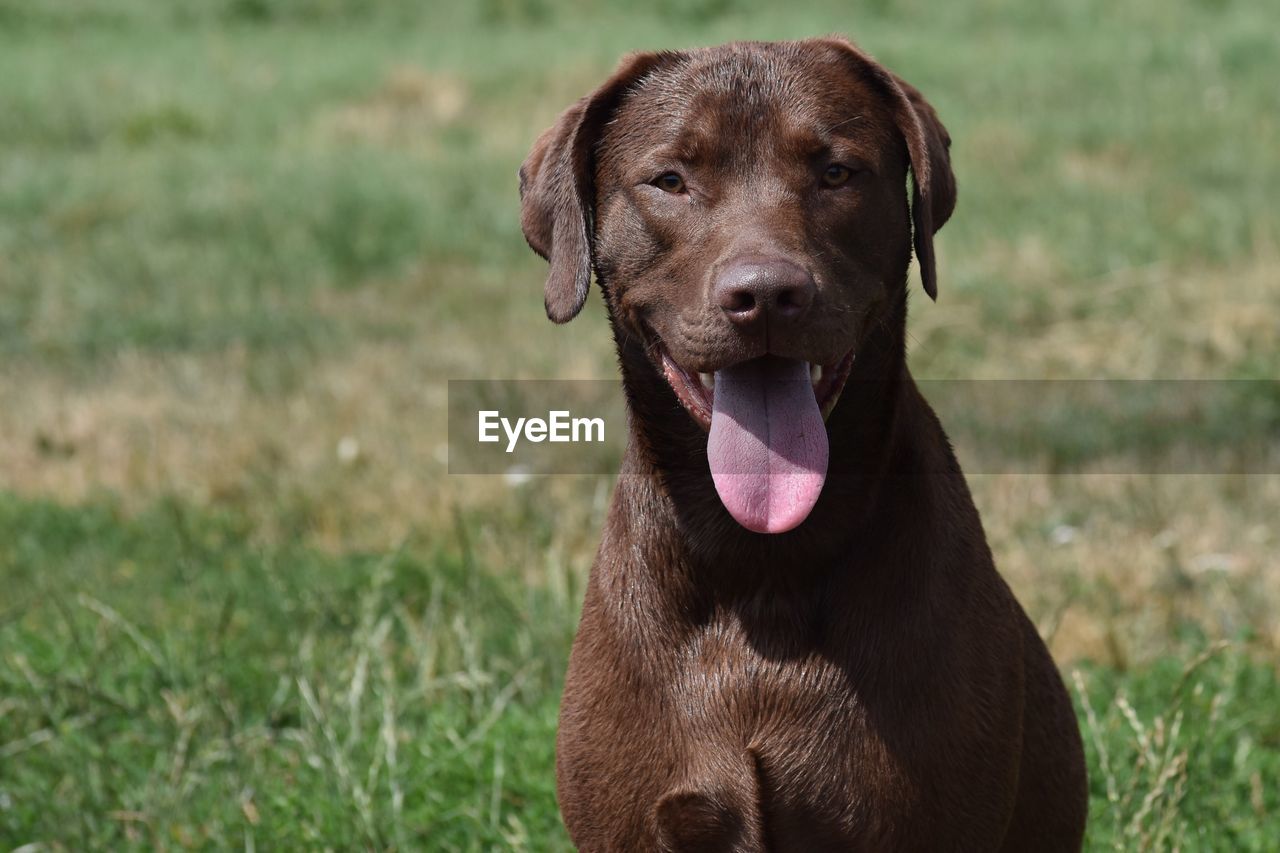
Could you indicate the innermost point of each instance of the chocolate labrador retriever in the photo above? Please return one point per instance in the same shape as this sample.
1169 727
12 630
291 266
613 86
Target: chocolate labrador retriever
793 637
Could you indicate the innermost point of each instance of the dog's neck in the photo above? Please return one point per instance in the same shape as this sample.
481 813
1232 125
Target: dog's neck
666 478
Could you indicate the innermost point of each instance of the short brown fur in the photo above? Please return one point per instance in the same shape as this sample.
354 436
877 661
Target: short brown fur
866 681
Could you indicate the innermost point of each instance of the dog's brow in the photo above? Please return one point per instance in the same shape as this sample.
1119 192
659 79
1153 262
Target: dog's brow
813 143
819 141
690 146
840 124
675 154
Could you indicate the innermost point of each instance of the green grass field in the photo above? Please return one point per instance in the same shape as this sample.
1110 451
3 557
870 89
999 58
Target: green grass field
238 235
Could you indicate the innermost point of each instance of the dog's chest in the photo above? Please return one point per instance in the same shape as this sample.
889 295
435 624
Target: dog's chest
790 717
726 678
786 694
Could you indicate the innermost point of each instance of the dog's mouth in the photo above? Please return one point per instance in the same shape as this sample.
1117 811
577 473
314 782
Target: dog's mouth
696 391
767 438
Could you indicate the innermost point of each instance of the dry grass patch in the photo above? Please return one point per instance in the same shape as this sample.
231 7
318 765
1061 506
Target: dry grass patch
1112 166
405 110
1115 568
351 448
1150 322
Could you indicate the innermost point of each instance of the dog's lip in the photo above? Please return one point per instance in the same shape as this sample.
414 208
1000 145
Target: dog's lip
695 396
696 390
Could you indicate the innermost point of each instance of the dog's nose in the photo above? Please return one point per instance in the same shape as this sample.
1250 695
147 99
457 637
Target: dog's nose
751 292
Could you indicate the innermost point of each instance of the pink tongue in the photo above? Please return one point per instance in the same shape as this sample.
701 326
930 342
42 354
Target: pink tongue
768 444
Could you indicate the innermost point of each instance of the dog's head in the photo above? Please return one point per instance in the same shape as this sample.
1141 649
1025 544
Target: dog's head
746 209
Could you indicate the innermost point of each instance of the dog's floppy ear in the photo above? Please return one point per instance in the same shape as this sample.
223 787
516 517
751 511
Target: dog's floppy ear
557 192
933 196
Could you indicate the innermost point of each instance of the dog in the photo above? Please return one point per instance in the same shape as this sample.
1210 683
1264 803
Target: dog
793 636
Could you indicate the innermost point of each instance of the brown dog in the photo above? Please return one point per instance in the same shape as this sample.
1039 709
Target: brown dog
794 637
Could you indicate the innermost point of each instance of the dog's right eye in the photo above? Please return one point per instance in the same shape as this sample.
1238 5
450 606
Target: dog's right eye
837 174
670 182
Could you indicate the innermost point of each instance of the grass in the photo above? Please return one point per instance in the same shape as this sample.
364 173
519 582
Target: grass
235 236
288 698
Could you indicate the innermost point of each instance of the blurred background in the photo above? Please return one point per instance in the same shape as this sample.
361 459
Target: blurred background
244 244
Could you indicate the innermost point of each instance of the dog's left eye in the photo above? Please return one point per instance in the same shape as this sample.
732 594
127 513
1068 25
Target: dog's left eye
670 182
836 174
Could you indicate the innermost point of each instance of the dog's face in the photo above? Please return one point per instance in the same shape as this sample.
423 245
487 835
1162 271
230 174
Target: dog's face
751 202
746 209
